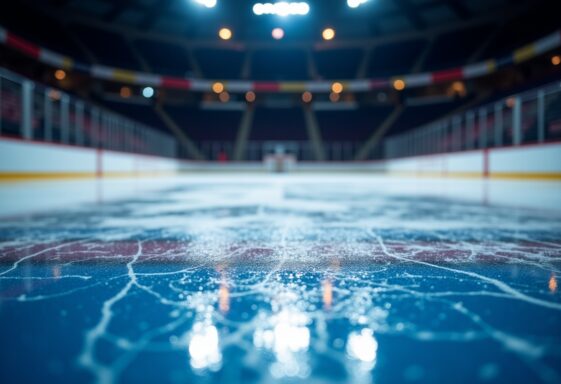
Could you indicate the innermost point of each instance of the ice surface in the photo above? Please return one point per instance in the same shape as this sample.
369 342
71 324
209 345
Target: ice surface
292 279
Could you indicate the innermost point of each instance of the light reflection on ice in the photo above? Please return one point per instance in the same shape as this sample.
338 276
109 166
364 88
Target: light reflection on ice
362 346
204 347
288 339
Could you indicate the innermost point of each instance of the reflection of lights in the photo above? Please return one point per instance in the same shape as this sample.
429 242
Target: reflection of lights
552 284
56 272
327 294
362 346
203 347
224 297
288 335
288 339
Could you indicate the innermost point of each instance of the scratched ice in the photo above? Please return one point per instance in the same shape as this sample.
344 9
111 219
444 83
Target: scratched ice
280 281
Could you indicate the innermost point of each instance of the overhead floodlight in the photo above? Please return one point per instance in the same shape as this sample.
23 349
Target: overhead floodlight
282 8
207 3
355 3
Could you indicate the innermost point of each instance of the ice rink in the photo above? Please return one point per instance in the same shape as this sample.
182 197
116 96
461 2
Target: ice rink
297 278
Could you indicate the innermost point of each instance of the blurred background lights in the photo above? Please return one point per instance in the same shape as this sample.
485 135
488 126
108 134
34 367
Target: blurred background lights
355 3
224 97
125 92
556 60
337 87
148 92
225 33
328 34
307 97
334 97
217 87
399 85
250 96
282 8
207 3
60 74
278 33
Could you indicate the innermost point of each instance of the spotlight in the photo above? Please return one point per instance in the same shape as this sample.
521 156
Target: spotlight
125 92
328 34
207 3
148 92
337 87
281 8
224 97
307 97
355 3
217 87
278 33
399 85
225 34
250 96
556 60
60 74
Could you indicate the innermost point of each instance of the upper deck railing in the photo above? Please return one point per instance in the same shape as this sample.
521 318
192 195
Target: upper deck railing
529 117
31 111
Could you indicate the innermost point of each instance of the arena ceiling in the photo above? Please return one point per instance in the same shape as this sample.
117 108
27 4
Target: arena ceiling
188 21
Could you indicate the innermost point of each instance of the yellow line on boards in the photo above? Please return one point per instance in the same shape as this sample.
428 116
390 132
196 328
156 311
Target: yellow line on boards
495 175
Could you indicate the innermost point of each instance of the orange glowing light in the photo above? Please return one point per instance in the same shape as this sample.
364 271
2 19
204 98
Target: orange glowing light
224 297
556 60
217 87
337 87
307 97
552 284
125 92
399 85
327 294
60 74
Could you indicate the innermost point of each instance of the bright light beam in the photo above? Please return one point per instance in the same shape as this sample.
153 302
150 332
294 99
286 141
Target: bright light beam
207 3
282 8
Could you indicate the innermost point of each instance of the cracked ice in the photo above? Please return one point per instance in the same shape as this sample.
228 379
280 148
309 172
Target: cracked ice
281 281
